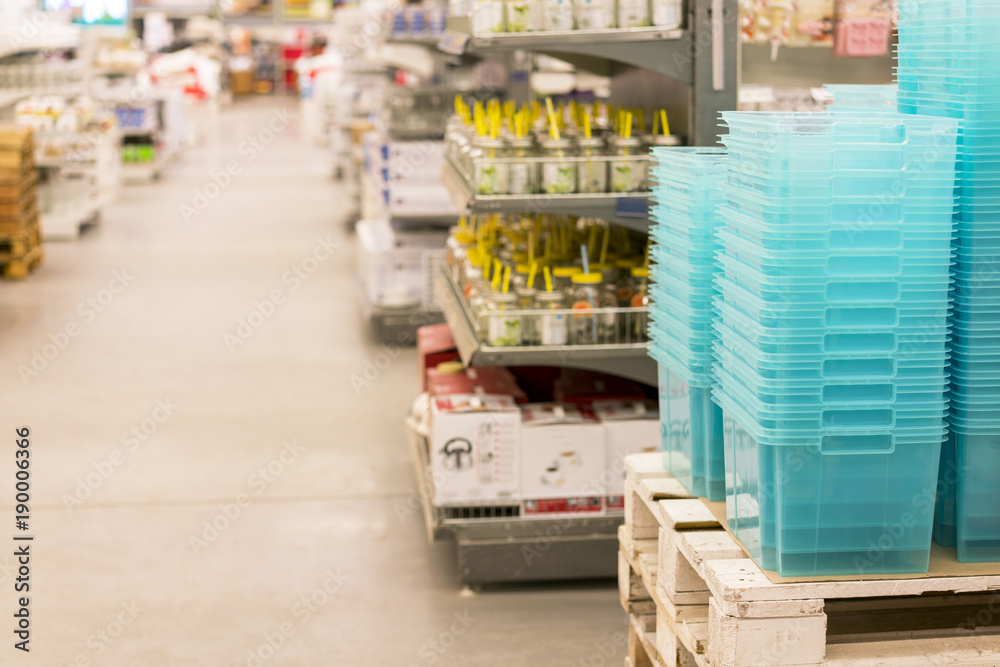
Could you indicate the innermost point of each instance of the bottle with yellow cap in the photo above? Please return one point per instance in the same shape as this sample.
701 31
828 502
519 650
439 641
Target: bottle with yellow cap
589 325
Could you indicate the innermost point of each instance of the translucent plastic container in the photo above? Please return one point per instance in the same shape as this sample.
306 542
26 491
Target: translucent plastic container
816 509
968 508
692 434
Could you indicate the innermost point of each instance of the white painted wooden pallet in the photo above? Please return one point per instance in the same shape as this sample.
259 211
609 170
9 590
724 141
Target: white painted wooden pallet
715 607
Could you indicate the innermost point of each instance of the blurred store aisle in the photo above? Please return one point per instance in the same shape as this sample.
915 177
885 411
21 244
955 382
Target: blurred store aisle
209 486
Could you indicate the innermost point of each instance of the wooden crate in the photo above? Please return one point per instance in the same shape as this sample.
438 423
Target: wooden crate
716 608
21 253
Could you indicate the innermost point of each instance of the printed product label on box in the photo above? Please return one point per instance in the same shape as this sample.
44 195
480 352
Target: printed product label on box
474 448
562 453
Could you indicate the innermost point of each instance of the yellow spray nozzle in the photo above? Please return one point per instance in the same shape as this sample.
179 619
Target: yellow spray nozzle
506 280
664 123
548 279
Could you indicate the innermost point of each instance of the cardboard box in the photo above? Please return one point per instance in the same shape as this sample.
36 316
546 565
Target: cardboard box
493 380
434 346
448 384
562 458
474 449
630 427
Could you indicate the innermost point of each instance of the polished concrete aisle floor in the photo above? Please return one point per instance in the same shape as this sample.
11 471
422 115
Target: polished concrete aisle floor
209 487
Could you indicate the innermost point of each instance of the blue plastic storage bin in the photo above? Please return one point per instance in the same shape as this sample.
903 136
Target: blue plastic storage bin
692 434
810 509
968 508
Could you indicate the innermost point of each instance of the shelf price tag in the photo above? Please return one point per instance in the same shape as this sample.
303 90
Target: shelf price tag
632 207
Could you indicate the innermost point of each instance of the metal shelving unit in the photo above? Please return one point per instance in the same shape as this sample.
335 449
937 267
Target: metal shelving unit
629 211
495 545
627 360
703 57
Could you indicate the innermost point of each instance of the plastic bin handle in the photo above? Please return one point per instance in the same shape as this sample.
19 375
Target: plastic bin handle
854 445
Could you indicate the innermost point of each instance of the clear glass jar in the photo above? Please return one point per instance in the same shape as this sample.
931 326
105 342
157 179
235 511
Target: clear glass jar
487 16
588 295
473 272
595 14
503 320
592 175
633 13
477 293
558 174
666 13
522 16
557 14
628 169
489 171
625 283
552 329
640 299
522 176
529 324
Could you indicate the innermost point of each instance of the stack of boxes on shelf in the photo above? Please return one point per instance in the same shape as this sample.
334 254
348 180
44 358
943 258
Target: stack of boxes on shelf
491 448
831 335
949 66
404 179
20 234
680 320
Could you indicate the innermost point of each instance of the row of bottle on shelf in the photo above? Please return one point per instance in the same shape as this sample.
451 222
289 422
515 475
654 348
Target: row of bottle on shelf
502 150
506 16
30 76
550 280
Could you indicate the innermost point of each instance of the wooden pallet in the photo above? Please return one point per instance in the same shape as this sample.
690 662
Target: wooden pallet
13 192
21 253
23 206
716 608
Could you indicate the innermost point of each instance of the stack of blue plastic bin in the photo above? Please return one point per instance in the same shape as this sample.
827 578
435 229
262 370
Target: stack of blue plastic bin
686 194
831 336
852 97
949 65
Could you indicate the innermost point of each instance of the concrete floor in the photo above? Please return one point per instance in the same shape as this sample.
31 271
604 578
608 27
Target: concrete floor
126 567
